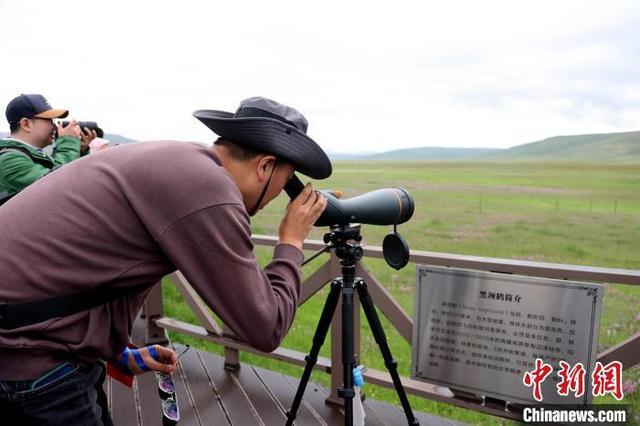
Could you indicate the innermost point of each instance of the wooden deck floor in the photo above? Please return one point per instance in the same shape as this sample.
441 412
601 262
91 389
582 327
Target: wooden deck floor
210 395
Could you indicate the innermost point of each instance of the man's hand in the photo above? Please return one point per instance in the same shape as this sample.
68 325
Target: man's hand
72 129
86 136
166 363
301 214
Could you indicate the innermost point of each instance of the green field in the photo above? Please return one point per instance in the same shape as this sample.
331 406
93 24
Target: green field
584 214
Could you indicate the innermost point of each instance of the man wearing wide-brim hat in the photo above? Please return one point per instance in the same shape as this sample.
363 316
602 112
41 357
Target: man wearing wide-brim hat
122 219
263 125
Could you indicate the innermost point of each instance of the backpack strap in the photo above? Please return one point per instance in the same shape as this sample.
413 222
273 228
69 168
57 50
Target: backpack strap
25 152
22 314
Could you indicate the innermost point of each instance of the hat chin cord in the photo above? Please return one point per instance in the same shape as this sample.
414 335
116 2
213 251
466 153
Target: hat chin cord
255 208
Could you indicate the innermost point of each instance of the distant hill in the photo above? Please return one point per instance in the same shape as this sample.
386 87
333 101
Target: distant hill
116 139
432 153
346 157
603 147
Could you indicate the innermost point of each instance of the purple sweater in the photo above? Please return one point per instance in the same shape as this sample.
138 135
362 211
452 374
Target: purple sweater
128 216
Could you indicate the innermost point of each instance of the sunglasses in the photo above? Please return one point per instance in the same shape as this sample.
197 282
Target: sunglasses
170 411
167 391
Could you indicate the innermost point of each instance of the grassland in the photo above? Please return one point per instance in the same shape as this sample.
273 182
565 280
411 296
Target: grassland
577 213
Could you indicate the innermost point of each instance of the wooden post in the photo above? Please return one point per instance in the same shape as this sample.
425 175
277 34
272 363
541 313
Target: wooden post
231 355
152 310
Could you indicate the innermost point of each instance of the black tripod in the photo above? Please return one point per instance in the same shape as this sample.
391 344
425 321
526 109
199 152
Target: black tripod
349 255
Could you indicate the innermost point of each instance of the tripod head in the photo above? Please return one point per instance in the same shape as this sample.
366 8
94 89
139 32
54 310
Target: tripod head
338 237
394 247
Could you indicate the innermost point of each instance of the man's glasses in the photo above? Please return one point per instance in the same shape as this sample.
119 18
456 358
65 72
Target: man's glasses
167 391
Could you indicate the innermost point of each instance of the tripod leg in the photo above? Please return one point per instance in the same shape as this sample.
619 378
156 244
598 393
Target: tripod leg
318 340
348 359
381 340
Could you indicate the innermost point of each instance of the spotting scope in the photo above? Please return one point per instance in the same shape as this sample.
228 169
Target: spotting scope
387 206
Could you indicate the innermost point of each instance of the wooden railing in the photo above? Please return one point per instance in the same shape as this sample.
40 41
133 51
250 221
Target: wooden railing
627 352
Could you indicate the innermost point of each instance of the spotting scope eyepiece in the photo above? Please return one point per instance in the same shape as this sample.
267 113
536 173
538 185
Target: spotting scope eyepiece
388 206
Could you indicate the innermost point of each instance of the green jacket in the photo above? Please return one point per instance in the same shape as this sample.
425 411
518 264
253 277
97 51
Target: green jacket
19 169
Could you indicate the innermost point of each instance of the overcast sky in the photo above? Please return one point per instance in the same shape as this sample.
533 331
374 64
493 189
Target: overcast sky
368 76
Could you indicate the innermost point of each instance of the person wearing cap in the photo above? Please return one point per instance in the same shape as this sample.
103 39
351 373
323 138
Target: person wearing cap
22 159
122 220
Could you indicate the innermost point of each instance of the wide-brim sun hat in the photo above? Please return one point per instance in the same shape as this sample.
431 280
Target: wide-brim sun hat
268 126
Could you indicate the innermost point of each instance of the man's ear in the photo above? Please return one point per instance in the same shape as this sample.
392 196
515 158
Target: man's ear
26 124
265 166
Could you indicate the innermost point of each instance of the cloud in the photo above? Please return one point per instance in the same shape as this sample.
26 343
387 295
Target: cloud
369 76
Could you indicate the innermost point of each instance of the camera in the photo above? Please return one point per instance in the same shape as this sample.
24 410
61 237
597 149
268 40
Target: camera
91 125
